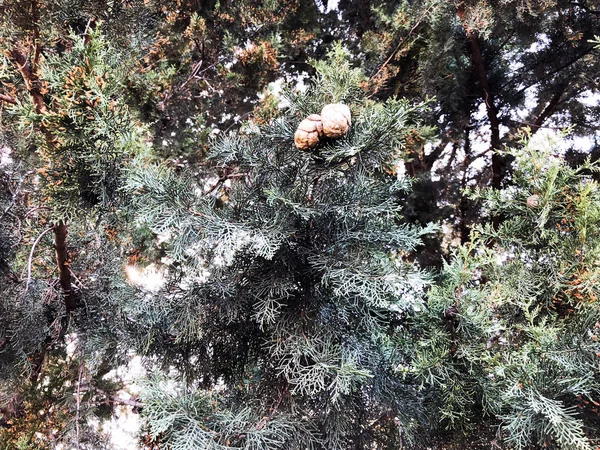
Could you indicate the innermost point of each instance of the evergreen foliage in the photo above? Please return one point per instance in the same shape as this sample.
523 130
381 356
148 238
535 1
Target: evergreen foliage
87 131
495 69
290 294
299 300
62 174
511 332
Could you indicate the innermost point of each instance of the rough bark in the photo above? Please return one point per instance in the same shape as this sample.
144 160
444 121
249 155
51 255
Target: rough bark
29 72
31 79
33 86
465 204
498 162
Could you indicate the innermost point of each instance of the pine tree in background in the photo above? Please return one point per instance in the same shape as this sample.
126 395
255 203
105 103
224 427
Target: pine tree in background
70 134
494 68
286 300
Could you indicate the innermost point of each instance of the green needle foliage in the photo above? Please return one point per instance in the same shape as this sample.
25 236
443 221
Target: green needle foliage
286 300
511 333
296 308
70 148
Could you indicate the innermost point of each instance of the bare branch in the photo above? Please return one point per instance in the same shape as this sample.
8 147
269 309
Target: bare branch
548 74
498 163
29 262
223 179
549 109
114 399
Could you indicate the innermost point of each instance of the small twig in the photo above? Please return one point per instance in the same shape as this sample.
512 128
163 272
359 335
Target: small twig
260 425
78 403
87 27
223 179
115 399
196 213
8 99
34 209
47 230
76 279
238 121
531 125
195 71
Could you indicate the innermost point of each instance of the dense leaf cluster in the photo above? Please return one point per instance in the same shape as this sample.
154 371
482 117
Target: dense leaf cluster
290 293
283 299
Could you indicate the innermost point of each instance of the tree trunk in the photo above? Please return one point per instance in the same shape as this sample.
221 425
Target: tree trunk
62 262
499 163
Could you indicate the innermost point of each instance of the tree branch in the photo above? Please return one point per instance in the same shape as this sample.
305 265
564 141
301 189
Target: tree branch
87 37
32 81
548 110
435 154
412 30
37 48
8 99
480 71
223 179
115 399
553 71
29 261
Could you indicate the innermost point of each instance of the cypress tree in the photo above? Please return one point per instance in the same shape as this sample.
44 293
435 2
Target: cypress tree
286 299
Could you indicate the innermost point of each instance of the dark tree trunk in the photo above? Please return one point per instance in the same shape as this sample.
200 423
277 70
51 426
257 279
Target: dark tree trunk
499 163
62 262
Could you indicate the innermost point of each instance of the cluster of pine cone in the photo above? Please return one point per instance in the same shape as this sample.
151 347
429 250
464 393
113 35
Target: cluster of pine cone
333 122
